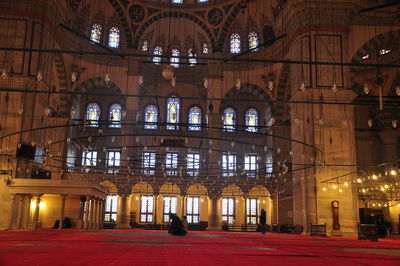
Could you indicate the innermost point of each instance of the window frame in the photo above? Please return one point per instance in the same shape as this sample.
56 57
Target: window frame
234 48
151 125
249 165
251 217
117 31
193 213
157 59
170 170
111 212
100 33
147 213
150 169
116 163
116 123
249 128
253 34
169 209
229 216
195 127
173 125
226 127
93 123
226 169
192 167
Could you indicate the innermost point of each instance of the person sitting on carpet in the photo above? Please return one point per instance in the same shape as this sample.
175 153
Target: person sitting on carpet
176 226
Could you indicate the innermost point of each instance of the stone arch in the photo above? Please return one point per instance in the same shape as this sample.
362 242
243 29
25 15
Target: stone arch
142 188
173 14
258 191
232 190
112 188
170 188
124 22
196 189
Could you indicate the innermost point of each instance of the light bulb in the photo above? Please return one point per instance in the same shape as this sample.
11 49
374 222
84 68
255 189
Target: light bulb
394 123
20 110
140 80
107 78
370 122
238 84
73 77
303 86
366 89
47 111
334 87
205 83
398 90
270 85
4 73
173 81
39 76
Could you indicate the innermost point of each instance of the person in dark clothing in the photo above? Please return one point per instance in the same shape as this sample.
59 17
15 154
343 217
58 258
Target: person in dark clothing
176 226
263 220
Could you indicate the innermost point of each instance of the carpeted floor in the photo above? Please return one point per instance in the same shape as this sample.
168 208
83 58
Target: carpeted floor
139 247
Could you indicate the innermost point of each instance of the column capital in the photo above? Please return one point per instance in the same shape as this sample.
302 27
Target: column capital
63 196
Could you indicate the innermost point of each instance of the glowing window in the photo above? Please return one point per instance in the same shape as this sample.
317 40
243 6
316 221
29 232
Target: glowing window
202 1
192 57
146 209
195 118
173 105
114 115
92 115
251 120
193 210
171 163
228 210
228 164
89 158
177 1
148 163
251 211
193 164
113 38
235 43
157 51
150 117
229 119
253 41
251 165
110 212
175 60
170 206
113 161
145 46
95 33
205 48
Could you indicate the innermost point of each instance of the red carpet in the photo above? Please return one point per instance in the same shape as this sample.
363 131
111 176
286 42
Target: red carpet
139 247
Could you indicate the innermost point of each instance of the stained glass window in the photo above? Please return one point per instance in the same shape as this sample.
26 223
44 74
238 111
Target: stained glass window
253 41
113 38
175 60
205 48
194 118
251 118
92 115
95 33
173 105
157 51
235 43
150 117
114 115
145 46
229 119
192 57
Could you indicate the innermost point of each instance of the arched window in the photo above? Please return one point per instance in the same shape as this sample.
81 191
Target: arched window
150 117
202 1
192 57
205 48
194 118
177 1
113 38
253 41
92 115
157 51
114 115
95 33
145 46
235 43
251 120
229 119
173 105
175 60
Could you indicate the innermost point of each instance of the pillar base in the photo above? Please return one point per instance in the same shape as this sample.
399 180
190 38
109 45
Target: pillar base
214 228
122 226
337 233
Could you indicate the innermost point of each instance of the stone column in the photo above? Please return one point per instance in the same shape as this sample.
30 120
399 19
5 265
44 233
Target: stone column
35 220
101 218
155 205
95 210
214 218
87 210
245 211
389 138
27 210
62 209
123 212
20 211
91 213
98 212
12 204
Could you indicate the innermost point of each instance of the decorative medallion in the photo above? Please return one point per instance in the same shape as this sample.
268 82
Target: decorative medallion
215 16
136 13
